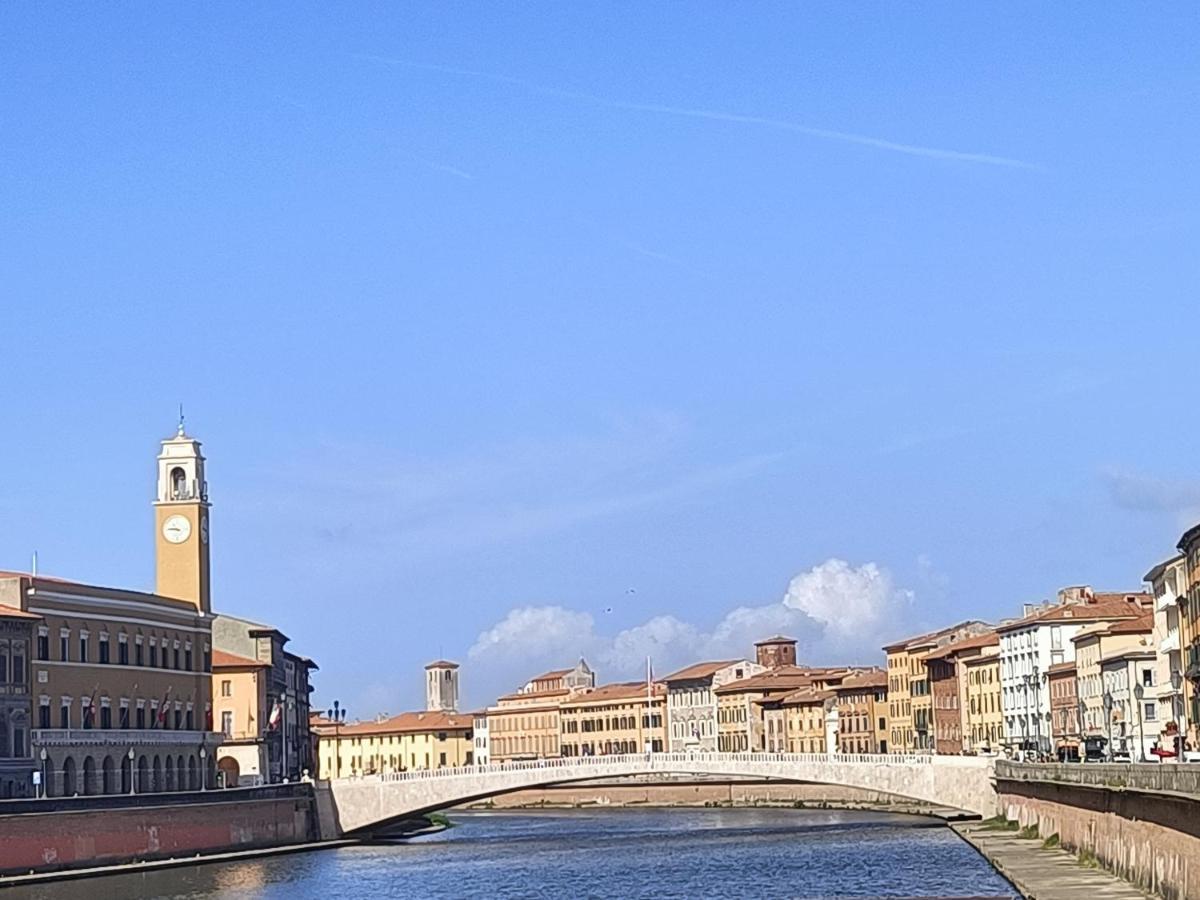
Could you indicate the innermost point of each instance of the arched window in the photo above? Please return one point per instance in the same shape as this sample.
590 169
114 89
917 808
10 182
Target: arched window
178 484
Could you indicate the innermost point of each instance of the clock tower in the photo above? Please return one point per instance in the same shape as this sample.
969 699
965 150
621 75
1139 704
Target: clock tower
181 522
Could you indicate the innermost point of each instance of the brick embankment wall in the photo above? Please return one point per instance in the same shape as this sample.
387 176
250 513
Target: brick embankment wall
1150 839
735 793
49 840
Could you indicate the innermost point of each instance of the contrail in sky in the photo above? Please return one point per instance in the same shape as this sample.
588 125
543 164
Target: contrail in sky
718 116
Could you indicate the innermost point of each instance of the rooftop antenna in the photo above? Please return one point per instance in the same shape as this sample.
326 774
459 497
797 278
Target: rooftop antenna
180 432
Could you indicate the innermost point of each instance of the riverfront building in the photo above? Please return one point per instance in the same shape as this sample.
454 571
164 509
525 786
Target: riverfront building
270 740
1167 582
861 702
406 742
1066 730
1044 638
119 680
692 701
629 717
985 715
910 705
948 689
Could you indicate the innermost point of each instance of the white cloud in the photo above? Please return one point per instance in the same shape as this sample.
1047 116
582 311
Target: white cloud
835 611
848 601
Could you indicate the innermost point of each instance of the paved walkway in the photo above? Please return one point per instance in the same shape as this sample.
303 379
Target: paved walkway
1042 874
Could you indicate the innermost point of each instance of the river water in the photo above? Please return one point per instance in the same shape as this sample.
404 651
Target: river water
603 853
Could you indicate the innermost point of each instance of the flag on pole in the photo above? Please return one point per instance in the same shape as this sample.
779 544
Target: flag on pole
162 708
91 710
276 716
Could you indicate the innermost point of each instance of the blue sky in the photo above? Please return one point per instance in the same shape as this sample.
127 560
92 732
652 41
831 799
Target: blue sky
514 334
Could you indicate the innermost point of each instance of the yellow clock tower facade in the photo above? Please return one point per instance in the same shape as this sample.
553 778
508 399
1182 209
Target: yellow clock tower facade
181 523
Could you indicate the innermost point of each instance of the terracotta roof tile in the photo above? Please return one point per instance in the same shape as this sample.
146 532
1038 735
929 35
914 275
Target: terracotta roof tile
1082 612
627 690
700 670
11 612
410 723
990 639
223 660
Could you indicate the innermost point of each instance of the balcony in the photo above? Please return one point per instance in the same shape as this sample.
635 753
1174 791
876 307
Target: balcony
121 737
1169 644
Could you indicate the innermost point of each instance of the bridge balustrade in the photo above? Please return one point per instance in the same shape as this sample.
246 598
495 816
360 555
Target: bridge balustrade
660 762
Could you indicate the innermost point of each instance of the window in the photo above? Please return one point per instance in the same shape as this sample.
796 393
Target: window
140 716
104 649
153 654
441 759
106 717
191 720
123 651
64 716
125 715
139 655
226 688
44 716
187 657
43 644
1147 678
64 639
1151 712
83 646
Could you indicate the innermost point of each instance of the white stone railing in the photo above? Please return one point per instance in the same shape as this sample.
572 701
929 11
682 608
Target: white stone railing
121 737
657 762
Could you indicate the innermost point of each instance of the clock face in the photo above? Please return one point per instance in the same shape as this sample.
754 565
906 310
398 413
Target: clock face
177 529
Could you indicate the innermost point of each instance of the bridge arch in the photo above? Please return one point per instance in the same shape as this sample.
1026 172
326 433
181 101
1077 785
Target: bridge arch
370 802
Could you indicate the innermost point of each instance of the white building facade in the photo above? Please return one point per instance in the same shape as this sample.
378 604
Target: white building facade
1168 584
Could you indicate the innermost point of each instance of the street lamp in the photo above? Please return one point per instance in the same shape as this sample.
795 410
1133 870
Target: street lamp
132 782
339 716
1177 712
1036 684
1108 706
43 755
1139 692
203 766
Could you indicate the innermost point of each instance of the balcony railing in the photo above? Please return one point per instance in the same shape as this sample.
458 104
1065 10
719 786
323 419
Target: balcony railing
121 737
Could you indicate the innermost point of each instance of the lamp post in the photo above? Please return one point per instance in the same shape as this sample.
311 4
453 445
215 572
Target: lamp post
1035 682
1108 705
132 775
203 767
43 756
1176 712
339 716
1139 692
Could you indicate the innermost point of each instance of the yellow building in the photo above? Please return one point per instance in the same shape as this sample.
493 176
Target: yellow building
1094 644
806 715
526 725
741 722
120 679
614 719
910 704
407 742
862 713
985 715
1189 633
240 715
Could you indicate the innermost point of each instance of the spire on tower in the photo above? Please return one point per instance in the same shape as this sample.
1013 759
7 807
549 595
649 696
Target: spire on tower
180 431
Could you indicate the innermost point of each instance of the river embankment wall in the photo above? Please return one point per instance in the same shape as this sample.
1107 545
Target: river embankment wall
1148 835
51 835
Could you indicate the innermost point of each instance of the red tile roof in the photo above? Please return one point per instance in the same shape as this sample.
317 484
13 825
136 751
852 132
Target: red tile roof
1083 612
627 690
862 680
11 612
928 636
411 723
700 670
990 639
223 660
1141 625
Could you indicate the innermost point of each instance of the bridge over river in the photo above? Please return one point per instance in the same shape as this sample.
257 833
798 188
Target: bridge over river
365 803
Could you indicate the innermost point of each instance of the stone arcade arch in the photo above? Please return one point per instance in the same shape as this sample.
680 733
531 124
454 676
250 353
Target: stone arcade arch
156 784
108 780
193 781
143 775
70 783
169 784
229 769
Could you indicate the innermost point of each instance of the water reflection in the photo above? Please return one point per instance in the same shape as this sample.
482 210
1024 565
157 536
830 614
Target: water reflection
616 853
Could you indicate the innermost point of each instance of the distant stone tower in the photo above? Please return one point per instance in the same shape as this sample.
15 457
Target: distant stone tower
441 686
776 652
